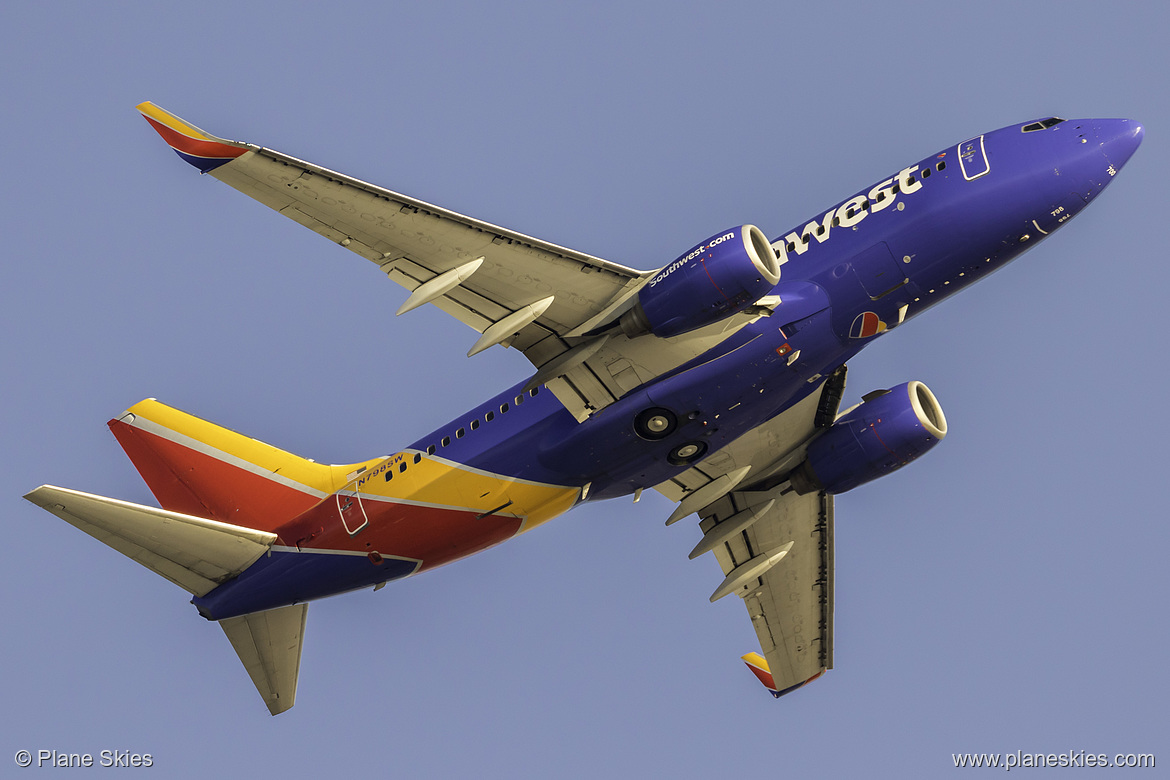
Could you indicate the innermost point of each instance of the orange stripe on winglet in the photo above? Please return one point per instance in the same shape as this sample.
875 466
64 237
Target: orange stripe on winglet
187 138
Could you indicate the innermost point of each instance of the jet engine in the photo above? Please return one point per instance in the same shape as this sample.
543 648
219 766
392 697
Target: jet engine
723 275
887 431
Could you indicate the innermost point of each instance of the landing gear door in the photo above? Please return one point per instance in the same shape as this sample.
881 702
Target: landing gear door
973 159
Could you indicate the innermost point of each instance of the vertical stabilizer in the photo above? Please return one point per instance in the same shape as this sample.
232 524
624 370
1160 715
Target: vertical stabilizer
198 468
269 644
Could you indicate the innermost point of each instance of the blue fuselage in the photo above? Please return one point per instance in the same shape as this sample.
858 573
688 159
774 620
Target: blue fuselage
850 274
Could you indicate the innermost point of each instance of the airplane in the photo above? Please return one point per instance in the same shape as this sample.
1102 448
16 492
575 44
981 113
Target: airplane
716 380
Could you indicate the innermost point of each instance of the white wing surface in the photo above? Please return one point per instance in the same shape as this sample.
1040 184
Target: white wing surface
775 547
269 645
790 603
194 553
515 290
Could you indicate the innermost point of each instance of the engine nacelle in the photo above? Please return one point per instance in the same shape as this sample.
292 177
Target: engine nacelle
721 276
878 437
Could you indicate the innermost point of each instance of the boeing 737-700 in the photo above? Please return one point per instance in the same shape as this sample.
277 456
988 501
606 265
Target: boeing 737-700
716 380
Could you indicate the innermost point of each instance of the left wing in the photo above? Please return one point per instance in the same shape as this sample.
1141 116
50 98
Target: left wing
775 547
544 299
781 565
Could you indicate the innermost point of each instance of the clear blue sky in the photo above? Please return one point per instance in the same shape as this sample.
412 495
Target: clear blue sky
1007 592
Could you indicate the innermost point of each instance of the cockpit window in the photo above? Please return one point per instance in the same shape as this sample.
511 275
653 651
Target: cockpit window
1043 124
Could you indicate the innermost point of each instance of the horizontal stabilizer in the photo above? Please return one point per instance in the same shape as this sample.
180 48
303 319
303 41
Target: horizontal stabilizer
194 553
269 643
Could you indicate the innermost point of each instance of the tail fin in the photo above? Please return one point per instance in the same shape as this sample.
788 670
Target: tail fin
199 468
197 555
223 497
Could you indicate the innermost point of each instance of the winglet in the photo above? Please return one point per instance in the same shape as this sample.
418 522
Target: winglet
759 667
201 149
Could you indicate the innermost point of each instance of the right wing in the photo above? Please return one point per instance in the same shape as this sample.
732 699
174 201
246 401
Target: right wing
544 299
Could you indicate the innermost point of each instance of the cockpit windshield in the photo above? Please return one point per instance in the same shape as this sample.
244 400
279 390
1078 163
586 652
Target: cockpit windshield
1043 124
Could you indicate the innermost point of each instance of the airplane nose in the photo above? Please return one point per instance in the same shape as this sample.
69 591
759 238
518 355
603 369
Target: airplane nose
1119 139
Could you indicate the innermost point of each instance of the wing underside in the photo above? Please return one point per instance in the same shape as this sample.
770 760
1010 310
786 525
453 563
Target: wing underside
775 547
545 300
791 604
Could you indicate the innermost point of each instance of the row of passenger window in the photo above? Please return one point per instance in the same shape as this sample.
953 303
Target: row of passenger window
850 213
461 432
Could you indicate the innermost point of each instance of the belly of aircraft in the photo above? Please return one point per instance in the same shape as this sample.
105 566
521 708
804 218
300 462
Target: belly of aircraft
426 514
